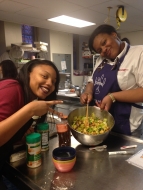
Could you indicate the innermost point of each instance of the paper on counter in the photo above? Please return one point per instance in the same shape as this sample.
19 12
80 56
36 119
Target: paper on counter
62 92
71 94
137 159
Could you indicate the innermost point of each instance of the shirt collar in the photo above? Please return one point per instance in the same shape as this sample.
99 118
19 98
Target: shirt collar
122 52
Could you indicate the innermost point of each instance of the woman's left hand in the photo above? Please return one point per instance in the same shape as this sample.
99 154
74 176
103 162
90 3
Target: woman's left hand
105 104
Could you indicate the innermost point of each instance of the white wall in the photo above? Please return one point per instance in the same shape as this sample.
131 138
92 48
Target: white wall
136 38
61 43
13 33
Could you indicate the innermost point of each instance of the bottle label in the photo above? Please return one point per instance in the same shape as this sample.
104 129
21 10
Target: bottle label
45 141
33 154
63 134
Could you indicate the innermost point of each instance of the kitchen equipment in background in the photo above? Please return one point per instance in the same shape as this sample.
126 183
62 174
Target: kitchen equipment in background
121 15
82 89
16 53
86 53
90 140
67 82
77 90
41 46
43 55
107 20
78 72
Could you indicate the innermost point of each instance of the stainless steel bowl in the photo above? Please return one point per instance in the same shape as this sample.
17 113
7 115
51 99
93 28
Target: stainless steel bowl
90 140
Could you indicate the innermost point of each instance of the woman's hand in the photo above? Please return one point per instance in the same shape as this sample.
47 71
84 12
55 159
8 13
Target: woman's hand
12 124
85 98
40 108
105 104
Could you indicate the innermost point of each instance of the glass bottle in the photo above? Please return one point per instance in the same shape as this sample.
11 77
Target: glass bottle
64 135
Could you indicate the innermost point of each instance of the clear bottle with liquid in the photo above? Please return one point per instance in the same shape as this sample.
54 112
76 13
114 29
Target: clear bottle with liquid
67 84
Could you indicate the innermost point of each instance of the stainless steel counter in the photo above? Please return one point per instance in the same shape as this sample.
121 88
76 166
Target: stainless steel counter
93 170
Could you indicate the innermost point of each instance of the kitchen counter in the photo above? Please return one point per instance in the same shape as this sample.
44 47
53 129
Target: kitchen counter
92 170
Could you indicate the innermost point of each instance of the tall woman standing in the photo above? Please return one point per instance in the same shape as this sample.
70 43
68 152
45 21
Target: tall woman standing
117 80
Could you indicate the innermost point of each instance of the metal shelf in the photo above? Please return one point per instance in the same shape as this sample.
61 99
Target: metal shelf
64 73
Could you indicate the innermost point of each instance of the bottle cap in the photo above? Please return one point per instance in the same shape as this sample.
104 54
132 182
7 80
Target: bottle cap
61 127
33 138
42 126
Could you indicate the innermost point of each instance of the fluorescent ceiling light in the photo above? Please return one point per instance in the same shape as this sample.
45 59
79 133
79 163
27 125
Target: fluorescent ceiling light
71 21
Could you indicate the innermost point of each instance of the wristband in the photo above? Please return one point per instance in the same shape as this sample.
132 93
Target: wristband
112 97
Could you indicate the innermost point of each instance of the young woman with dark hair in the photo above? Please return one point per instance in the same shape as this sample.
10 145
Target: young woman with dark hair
37 80
8 70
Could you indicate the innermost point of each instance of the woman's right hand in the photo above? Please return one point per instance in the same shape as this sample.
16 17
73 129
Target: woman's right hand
86 98
40 108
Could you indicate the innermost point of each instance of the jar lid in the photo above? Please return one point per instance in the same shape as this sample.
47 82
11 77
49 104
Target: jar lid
42 126
62 127
33 138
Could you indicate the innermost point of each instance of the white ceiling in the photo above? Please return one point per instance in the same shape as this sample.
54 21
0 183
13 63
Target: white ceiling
36 13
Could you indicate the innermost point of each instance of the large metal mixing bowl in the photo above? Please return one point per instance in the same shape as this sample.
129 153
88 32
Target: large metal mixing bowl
90 140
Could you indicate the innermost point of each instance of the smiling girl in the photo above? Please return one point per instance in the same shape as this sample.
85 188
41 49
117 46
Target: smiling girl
37 80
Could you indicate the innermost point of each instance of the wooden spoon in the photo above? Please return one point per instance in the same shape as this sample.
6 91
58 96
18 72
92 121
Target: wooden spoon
87 111
87 122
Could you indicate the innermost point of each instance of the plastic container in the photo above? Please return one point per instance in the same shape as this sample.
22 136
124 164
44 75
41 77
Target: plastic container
43 129
33 150
63 133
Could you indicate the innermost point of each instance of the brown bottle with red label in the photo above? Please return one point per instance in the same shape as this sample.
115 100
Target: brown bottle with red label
63 133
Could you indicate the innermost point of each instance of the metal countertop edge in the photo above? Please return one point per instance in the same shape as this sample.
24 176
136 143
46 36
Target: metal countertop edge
127 137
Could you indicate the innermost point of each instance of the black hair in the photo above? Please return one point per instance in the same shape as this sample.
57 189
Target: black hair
126 40
102 29
24 79
9 70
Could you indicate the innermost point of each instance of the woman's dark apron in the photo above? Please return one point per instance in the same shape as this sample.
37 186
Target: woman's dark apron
105 81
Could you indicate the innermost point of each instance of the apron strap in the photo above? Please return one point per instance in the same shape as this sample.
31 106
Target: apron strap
137 106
